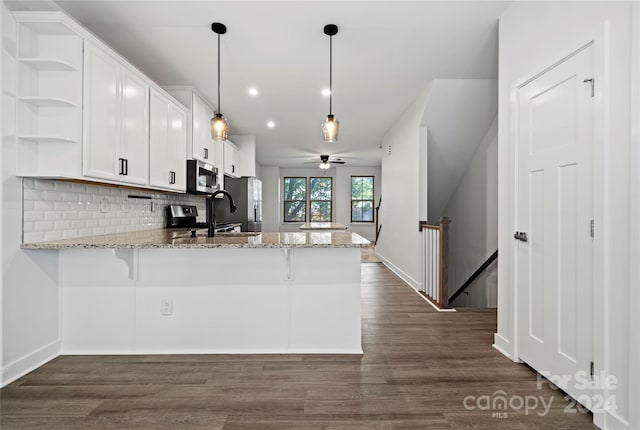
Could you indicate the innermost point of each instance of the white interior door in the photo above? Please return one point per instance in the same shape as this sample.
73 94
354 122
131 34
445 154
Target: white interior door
555 209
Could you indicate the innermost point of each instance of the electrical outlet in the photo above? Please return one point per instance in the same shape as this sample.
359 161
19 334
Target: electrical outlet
166 307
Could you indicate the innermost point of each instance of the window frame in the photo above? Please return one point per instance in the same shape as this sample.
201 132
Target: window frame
330 178
372 200
284 201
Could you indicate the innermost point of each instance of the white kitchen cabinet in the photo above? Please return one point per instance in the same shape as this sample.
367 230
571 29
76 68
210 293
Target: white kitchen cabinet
116 122
231 159
167 143
203 144
200 145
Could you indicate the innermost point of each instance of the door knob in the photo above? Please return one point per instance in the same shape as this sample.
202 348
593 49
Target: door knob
520 235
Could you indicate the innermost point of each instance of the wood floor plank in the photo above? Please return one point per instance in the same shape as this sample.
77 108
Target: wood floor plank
420 370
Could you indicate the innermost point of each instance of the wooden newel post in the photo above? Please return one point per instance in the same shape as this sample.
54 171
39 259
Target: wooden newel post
443 287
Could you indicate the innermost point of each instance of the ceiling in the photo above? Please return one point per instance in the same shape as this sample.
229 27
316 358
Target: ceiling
385 53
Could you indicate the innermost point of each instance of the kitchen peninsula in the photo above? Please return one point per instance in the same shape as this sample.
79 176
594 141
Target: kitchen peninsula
163 291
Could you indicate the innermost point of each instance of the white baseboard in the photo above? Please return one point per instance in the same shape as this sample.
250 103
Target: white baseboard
417 286
401 274
503 346
346 351
20 367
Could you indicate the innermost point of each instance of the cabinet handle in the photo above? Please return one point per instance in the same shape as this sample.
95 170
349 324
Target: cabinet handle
233 168
120 166
172 177
126 167
206 153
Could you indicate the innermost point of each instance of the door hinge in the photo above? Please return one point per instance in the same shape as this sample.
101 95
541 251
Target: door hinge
591 369
592 81
593 228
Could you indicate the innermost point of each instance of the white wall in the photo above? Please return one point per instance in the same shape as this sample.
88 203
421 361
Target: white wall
341 210
473 232
534 36
399 242
634 296
30 329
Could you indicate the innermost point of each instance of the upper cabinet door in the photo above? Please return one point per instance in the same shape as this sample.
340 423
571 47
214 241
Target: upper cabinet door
159 171
135 128
102 125
177 147
168 143
231 158
202 144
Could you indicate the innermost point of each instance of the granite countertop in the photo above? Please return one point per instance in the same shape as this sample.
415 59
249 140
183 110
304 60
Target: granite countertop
322 226
181 238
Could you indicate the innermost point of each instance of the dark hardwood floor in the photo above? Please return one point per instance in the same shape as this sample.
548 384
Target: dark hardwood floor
418 368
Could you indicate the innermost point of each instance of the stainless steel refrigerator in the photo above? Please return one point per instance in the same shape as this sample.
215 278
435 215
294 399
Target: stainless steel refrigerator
247 195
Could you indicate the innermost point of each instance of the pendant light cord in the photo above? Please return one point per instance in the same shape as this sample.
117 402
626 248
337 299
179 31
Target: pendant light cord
219 110
330 73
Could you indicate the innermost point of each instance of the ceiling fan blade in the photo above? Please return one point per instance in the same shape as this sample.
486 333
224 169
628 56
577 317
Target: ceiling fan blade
336 162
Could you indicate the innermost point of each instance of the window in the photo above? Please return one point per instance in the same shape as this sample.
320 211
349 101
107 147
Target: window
362 199
295 199
320 199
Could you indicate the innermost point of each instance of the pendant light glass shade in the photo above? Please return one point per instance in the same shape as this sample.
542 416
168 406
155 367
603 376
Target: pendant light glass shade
330 129
219 124
330 125
219 127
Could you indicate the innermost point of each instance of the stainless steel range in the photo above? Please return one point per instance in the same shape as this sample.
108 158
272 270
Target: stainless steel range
184 216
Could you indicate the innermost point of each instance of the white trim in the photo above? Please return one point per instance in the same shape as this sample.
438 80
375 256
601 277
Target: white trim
431 303
415 285
634 251
502 345
401 273
205 351
30 362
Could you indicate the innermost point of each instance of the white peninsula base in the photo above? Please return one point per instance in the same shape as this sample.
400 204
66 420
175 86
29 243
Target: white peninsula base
219 301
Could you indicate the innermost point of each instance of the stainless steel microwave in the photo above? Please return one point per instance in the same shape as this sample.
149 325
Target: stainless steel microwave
202 178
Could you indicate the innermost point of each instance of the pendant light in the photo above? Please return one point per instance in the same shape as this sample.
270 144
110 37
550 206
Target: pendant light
219 125
330 125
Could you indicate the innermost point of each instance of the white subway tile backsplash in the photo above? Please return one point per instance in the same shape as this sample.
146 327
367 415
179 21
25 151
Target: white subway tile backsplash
53 215
43 226
53 235
57 209
31 215
42 206
43 185
34 236
61 186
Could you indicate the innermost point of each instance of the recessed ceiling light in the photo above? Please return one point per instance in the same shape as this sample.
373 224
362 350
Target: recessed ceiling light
326 92
271 124
253 91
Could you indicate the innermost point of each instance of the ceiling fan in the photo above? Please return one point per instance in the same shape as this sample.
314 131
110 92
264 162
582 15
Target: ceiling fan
326 161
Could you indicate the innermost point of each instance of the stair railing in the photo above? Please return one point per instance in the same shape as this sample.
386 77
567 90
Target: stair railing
435 266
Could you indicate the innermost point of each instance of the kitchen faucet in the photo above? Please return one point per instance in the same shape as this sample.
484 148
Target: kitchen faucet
211 210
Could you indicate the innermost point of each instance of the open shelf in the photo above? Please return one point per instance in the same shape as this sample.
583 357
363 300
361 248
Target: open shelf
46 139
47 64
47 101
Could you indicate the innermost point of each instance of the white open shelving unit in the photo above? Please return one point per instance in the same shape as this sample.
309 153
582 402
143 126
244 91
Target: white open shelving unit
49 108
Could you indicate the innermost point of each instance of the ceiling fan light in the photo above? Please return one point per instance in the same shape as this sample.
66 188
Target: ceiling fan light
330 129
324 166
219 127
